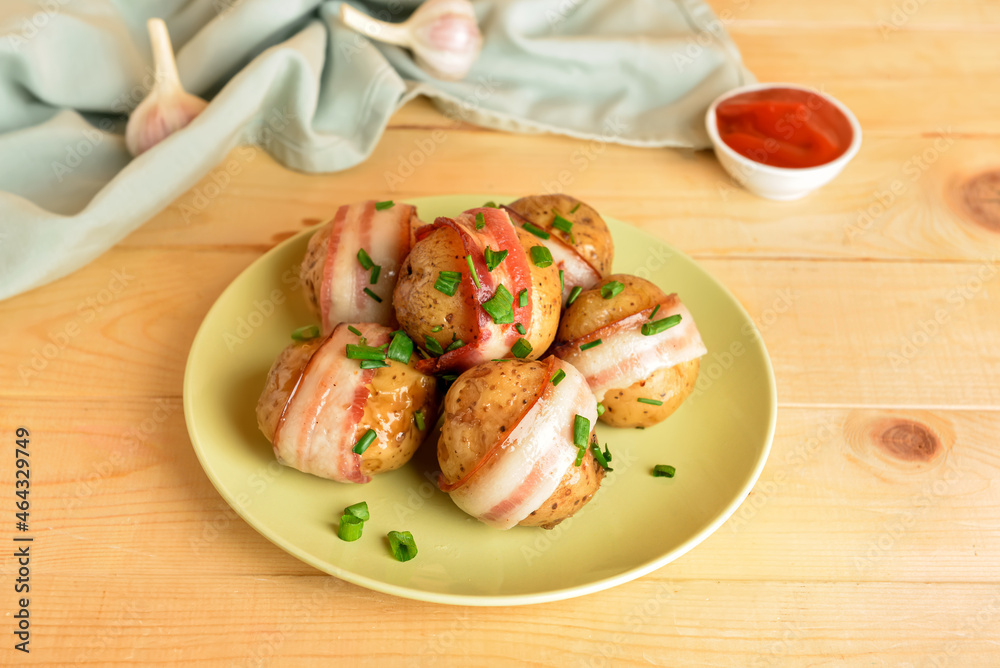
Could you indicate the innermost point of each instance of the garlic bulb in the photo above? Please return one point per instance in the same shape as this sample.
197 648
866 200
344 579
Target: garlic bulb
167 108
442 34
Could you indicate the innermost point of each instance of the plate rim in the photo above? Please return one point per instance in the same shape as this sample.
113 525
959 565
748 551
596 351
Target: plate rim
481 600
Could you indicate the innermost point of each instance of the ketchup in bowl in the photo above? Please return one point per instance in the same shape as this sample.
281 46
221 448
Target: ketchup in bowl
784 127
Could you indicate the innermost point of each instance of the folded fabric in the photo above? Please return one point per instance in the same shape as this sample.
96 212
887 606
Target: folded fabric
288 76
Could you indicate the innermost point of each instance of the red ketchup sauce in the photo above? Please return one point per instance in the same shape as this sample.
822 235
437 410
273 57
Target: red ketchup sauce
784 127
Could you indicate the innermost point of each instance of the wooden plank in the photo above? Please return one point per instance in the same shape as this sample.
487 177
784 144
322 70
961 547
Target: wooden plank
842 333
900 198
244 620
862 495
890 16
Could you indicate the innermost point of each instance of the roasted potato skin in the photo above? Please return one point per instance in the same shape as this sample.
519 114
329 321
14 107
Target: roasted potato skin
420 307
311 269
671 385
397 392
480 407
591 233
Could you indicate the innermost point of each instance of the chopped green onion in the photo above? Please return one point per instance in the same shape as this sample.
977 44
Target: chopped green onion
493 258
575 208
592 344
402 545
562 280
359 510
522 298
500 306
454 345
401 348
449 377
602 457
364 259
607 453
373 364
480 220
651 402
306 333
657 326
376 270
521 348
600 409
581 431
490 205
447 282
363 352
520 329
579 456
537 231
472 269
373 295
558 376
573 294
382 206
433 346
353 330
541 256
609 290
350 528
437 328
564 225
655 309
664 471
418 418
364 442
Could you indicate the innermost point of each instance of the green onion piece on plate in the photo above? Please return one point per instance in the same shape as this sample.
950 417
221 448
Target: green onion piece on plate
359 510
609 290
541 256
500 306
664 471
581 431
401 348
350 528
657 326
306 333
402 545
364 442
521 348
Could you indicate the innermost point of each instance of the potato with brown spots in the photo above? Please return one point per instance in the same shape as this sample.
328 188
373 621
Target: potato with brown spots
396 393
424 312
477 443
671 385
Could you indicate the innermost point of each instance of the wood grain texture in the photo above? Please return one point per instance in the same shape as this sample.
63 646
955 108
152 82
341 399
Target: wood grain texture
871 536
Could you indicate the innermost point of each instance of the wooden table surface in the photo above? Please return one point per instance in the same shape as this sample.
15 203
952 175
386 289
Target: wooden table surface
872 537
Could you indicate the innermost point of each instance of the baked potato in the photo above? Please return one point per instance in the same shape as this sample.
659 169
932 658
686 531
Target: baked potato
506 449
317 404
437 320
335 274
641 376
584 251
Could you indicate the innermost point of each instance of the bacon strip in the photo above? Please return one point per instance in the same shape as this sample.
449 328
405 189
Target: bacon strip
577 271
490 340
523 470
626 356
319 423
387 237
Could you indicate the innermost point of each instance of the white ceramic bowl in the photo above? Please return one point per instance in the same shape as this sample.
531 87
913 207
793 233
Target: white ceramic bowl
779 183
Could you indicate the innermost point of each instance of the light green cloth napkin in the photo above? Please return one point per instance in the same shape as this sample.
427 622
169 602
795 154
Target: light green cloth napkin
288 76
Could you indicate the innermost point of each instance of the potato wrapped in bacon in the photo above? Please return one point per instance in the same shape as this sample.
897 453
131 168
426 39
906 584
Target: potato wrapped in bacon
352 262
341 408
638 348
517 445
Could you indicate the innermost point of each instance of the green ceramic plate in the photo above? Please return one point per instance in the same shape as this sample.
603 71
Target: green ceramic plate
636 523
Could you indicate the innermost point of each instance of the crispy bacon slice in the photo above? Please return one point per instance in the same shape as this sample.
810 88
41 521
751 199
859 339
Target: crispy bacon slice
521 471
626 356
490 340
319 423
387 237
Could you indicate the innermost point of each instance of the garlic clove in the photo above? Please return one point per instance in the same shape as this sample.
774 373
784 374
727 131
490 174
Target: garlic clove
443 35
168 107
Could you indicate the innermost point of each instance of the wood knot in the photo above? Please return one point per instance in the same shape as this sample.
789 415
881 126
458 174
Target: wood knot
897 442
909 441
278 237
978 197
